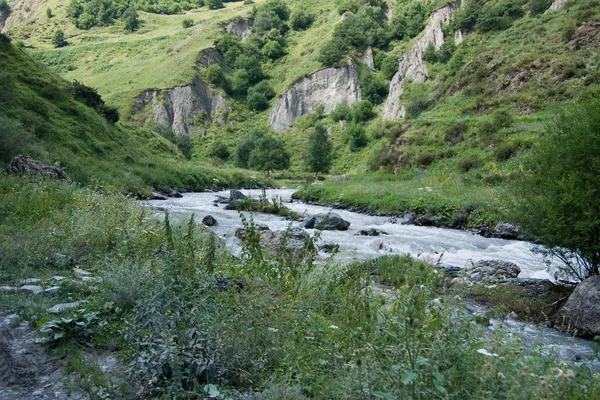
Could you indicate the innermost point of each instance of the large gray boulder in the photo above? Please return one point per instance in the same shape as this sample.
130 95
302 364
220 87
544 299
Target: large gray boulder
581 313
327 222
295 240
493 269
25 166
507 231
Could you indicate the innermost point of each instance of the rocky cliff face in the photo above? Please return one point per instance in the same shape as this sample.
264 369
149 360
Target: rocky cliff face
412 65
328 87
556 4
240 27
182 107
18 11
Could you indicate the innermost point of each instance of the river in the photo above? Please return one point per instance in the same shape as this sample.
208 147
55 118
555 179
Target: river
451 247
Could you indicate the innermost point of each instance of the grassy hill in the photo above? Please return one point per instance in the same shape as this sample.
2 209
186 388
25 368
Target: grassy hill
41 117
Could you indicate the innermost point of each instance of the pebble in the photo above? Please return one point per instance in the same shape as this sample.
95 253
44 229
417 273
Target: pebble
81 272
58 278
31 281
52 289
32 289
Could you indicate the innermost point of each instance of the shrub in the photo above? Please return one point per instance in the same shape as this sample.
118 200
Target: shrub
557 193
48 12
373 87
269 154
301 20
220 150
499 16
455 133
272 50
363 111
266 20
357 136
333 53
318 152
469 162
214 74
259 96
408 20
4 6
59 39
245 147
187 23
341 112
418 98
389 66
130 19
214 4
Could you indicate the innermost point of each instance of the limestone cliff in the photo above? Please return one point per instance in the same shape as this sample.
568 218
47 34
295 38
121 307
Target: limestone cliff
556 4
412 65
182 107
328 87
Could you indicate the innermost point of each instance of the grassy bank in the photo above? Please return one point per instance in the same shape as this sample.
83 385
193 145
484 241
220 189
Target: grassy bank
277 326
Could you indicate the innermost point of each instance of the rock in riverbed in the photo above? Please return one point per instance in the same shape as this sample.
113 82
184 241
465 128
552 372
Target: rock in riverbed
328 222
581 313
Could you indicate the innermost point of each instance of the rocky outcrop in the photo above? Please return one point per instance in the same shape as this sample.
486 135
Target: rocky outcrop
18 11
368 59
25 166
182 107
239 27
492 270
556 4
210 56
328 222
4 15
294 241
581 313
412 65
326 87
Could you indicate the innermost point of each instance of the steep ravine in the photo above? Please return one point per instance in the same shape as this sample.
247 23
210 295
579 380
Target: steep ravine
328 87
411 65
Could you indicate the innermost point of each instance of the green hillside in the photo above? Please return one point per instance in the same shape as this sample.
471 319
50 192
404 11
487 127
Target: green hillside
40 117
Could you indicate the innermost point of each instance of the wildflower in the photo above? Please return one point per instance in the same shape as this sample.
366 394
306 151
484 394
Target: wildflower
309 338
333 327
501 376
273 330
557 371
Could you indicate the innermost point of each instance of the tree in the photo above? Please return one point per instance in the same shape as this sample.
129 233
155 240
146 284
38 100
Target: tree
49 12
259 96
357 136
214 4
301 20
557 192
130 19
318 153
59 39
269 154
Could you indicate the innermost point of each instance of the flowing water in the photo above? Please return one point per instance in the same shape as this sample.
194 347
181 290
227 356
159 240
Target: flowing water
449 246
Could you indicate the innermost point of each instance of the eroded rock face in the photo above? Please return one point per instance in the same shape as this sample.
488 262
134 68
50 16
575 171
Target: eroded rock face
368 59
556 4
412 65
239 27
581 313
210 56
19 10
328 87
181 107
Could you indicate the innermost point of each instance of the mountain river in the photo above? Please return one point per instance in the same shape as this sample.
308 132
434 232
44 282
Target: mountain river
451 247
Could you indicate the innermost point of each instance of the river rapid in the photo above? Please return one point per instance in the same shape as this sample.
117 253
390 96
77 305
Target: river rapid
448 246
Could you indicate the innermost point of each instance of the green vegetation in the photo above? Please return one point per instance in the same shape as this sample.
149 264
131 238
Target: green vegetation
276 325
318 154
557 190
59 39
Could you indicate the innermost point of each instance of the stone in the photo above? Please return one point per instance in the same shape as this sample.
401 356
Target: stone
52 290
493 269
209 220
240 233
81 272
235 195
58 278
295 240
411 66
170 192
32 289
328 222
370 232
239 27
25 166
581 313
327 87
7 289
31 281
329 247
157 196
408 218
507 231
63 307
368 58
424 220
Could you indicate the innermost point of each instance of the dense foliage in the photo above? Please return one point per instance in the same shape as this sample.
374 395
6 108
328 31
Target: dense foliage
318 156
558 192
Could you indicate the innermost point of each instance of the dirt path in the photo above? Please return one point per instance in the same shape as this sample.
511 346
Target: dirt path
26 370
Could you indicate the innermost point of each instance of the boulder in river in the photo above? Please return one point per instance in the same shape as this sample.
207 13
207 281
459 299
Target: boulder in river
170 192
294 239
235 195
507 231
581 313
25 166
157 196
370 232
493 269
328 222
209 220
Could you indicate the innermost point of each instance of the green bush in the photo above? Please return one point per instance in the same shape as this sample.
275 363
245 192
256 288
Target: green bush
272 50
4 6
48 12
469 162
408 20
363 111
418 97
537 7
220 150
557 193
301 20
357 137
59 39
129 18
214 4
269 154
372 86
187 23
341 112
259 95
214 74
387 64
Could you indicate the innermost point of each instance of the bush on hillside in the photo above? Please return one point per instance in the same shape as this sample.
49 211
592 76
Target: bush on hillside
387 64
220 150
372 86
363 111
59 39
558 199
318 153
259 96
341 112
269 154
408 20
418 97
537 7
130 19
214 4
357 137
187 23
301 20
214 74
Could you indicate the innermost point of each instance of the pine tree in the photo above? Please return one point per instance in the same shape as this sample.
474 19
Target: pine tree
318 154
